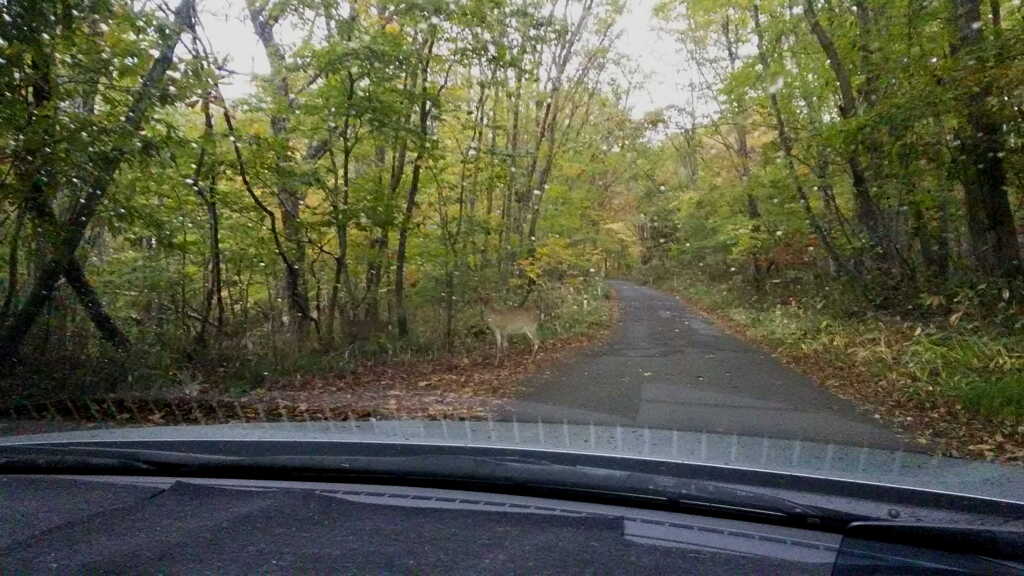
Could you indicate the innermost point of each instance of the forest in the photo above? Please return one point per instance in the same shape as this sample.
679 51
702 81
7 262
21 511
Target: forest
390 172
840 179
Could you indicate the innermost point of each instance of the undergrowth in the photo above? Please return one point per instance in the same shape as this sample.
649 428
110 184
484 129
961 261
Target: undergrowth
230 368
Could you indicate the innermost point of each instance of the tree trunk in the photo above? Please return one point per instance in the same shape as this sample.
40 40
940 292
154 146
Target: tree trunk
990 222
509 204
370 311
340 211
289 198
12 265
90 300
401 314
743 150
290 268
374 276
208 198
933 255
402 318
449 307
214 288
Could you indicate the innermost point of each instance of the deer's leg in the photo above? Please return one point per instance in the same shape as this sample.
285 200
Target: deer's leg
532 334
497 347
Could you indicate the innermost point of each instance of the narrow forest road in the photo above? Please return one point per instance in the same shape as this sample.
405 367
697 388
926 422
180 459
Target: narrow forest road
668 367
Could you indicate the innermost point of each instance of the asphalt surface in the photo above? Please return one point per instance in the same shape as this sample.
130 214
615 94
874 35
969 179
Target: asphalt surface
669 367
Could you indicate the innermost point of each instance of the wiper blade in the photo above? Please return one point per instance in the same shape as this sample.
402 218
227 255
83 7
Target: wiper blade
41 461
509 474
977 540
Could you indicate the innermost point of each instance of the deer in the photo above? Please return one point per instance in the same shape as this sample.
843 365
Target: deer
505 322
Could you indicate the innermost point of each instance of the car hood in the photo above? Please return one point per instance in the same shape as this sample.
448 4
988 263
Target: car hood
804 458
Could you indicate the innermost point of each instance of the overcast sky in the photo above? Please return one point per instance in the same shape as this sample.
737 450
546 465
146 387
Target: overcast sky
231 35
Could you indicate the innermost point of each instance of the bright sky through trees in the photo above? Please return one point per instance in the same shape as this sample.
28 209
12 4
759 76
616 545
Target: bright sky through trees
654 53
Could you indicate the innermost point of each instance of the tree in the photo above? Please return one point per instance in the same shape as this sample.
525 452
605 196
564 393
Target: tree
104 164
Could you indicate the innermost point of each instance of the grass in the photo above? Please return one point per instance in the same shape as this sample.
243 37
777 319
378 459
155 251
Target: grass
985 373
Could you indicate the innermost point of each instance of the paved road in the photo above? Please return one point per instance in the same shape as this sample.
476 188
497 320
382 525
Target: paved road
669 367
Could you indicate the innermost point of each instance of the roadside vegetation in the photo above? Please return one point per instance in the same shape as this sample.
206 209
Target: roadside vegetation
844 186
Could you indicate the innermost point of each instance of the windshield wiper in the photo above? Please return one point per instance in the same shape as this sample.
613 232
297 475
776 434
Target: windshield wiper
977 540
912 548
515 475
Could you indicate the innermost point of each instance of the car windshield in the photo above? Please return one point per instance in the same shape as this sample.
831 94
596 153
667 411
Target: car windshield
782 233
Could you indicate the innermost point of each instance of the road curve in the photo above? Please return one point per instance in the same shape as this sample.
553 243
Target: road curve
666 366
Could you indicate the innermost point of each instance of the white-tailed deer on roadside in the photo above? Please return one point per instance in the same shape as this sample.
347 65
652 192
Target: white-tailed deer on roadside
505 322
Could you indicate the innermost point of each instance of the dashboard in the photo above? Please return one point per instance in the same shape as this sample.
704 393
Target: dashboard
167 525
